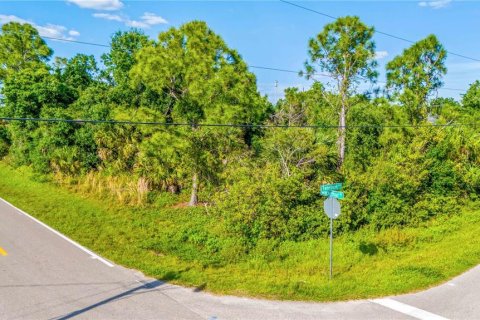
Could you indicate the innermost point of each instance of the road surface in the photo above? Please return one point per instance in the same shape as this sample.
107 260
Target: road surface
45 275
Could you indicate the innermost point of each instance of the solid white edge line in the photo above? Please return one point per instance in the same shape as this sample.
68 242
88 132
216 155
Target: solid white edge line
407 309
79 246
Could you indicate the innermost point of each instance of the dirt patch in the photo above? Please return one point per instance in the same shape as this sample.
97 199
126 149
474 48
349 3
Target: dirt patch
185 205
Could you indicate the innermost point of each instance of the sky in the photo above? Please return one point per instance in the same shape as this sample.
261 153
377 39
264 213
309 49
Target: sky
270 34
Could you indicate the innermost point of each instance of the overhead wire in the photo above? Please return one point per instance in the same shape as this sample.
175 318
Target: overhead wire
185 124
250 66
76 41
377 31
9 119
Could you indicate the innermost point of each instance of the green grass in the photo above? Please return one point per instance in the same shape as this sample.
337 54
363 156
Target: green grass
183 246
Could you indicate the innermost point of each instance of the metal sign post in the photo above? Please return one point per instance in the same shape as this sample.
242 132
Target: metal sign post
331 248
332 210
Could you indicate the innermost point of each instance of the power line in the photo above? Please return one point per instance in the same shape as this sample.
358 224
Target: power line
289 71
178 124
330 76
250 66
377 31
80 42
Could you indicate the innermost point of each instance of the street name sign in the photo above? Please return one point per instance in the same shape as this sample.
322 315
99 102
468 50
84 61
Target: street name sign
331 187
337 195
332 190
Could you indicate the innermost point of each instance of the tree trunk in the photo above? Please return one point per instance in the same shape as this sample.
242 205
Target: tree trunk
194 197
173 189
341 137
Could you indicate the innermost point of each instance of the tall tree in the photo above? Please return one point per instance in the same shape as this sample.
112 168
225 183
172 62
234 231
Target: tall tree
202 81
471 99
27 84
21 47
346 51
416 74
124 45
121 58
78 72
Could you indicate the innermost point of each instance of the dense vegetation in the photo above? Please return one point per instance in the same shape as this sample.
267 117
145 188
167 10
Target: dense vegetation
169 243
405 156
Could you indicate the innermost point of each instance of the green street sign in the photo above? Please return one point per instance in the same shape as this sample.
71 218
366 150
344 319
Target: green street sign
326 188
337 194
325 193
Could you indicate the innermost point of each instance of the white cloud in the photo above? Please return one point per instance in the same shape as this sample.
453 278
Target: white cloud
147 20
74 33
107 5
136 24
381 54
108 16
152 19
48 30
435 4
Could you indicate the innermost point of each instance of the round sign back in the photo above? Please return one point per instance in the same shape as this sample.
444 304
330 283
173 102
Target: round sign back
332 208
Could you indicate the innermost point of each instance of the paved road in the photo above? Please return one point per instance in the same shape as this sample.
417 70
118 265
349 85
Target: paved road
44 275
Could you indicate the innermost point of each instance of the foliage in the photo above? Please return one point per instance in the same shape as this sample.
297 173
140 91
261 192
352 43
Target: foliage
124 46
416 74
260 204
187 246
21 48
4 141
345 50
258 185
202 81
121 58
472 98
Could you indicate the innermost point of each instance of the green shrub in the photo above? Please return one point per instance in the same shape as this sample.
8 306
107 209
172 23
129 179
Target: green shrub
4 141
261 204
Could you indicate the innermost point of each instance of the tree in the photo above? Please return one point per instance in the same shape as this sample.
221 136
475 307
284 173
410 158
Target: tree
307 150
124 46
416 74
346 51
200 80
66 148
471 99
25 93
21 47
121 58
78 72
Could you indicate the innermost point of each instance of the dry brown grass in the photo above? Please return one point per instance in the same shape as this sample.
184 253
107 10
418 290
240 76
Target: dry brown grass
122 188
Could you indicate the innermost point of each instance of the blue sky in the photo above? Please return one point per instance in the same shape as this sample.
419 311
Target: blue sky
266 33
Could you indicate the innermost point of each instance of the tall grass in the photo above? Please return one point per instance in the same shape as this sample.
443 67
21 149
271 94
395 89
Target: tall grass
123 189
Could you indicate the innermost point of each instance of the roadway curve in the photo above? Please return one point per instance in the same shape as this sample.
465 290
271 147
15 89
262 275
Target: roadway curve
45 275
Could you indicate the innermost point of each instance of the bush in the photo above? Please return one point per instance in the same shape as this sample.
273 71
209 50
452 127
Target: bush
4 141
261 204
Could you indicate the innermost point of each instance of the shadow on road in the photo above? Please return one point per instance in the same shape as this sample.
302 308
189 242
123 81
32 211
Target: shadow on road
43 285
137 290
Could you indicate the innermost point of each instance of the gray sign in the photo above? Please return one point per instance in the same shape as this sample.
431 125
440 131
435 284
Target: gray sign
332 208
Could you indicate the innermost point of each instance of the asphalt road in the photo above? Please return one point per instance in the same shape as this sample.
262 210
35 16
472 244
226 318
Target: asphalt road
45 275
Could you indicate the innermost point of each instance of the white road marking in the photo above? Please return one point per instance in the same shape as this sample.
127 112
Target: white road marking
79 246
407 309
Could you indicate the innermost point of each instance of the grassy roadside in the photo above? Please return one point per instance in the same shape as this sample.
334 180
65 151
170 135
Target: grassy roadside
169 243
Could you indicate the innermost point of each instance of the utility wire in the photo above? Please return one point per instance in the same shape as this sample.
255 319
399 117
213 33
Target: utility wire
80 42
377 31
179 124
254 67
330 76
